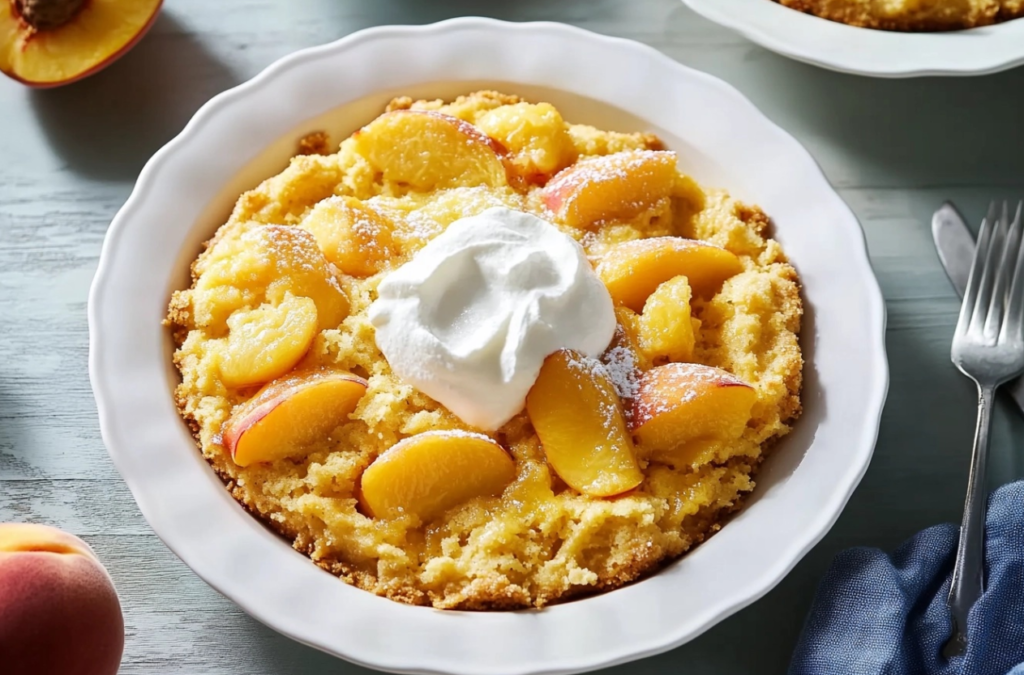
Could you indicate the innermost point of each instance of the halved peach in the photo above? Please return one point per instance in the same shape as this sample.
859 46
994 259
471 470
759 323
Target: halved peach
266 342
633 269
430 150
614 186
576 412
679 406
352 235
429 473
289 414
45 43
666 328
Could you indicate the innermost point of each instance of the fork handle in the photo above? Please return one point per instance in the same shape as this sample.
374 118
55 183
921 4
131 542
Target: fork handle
968 573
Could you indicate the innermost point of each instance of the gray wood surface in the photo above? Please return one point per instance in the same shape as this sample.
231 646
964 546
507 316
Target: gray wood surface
69 157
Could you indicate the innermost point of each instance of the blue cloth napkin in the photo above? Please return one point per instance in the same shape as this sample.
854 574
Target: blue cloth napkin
886 614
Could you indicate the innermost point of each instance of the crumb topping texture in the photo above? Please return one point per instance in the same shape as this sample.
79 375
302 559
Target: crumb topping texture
912 15
539 541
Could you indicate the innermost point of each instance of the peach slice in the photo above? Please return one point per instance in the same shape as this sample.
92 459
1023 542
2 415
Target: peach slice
429 473
267 342
536 136
430 150
352 235
265 264
576 412
679 405
666 328
290 413
614 186
301 269
633 269
45 43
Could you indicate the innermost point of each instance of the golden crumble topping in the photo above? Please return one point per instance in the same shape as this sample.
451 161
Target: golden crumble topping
912 15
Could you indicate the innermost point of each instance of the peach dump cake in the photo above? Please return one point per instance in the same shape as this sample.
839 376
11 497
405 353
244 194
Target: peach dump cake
484 358
912 15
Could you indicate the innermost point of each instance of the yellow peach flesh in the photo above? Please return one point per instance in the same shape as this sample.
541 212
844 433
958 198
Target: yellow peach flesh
94 37
632 270
576 412
352 235
666 328
627 336
678 405
610 187
535 134
267 342
290 413
302 270
429 473
266 264
429 150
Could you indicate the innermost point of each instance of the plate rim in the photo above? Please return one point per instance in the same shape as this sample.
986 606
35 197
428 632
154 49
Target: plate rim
103 378
798 36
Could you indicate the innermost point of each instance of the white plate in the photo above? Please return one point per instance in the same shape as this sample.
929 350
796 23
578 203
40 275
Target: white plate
864 51
247 133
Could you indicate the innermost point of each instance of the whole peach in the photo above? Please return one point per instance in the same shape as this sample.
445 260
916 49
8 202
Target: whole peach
59 612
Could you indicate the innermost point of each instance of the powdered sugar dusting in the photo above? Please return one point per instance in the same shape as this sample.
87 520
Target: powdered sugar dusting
594 373
620 364
421 227
677 383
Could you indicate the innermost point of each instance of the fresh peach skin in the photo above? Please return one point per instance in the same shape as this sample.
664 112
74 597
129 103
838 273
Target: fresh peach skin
632 270
576 412
620 185
680 405
429 473
430 150
289 413
59 612
50 45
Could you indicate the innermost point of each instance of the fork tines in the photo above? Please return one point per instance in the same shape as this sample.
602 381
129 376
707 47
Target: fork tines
993 308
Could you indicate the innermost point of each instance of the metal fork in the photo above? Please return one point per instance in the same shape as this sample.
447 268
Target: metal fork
988 347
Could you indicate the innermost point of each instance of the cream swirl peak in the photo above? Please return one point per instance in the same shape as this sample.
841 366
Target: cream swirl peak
471 318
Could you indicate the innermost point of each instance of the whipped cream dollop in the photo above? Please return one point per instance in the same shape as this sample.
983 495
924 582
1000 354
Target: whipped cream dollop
471 318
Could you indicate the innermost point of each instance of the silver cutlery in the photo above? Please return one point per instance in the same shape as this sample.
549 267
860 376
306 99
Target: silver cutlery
955 245
988 347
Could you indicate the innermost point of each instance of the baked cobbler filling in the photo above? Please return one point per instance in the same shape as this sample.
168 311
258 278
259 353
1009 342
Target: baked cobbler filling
484 358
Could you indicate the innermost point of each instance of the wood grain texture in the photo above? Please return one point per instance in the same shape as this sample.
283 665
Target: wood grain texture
69 157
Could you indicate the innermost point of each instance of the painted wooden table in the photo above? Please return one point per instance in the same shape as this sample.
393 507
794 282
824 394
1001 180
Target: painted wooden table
69 157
